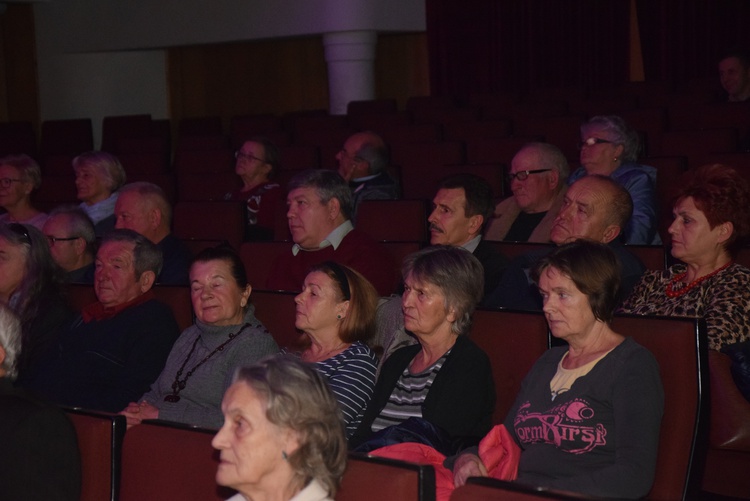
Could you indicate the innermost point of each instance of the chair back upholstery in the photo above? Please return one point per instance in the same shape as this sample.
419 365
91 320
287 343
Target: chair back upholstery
276 309
490 489
369 478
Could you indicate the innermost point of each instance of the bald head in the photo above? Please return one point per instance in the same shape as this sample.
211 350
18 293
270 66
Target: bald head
363 154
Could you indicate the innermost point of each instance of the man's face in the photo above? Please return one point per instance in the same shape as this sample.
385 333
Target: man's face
535 193
351 167
735 78
134 212
583 213
63 251
114 279
310 221
448 222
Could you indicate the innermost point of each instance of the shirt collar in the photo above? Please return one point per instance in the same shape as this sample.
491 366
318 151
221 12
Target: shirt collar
472 244
97 311
333 239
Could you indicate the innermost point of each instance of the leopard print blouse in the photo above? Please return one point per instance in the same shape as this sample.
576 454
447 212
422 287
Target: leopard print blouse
723 300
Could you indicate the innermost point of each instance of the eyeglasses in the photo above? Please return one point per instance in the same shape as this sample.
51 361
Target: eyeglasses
240 154
592 141
52 239
21 231
522 175
7 181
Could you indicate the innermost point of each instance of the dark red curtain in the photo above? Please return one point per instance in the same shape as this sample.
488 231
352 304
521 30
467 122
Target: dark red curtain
516 45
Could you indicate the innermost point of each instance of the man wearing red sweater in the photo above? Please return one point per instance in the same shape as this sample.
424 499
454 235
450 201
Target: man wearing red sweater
319 207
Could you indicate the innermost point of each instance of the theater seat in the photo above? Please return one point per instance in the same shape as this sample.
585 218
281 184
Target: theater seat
490 489
276 310
219 221
369 478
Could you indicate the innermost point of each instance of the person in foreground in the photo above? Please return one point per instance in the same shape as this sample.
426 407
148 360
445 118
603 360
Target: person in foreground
588 415
711 223
446 379
336 311
226 335
282 437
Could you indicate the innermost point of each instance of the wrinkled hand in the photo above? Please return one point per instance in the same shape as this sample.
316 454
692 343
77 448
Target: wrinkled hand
135 413
467 465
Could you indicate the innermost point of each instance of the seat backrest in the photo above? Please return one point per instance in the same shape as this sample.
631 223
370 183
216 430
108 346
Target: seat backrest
369 478
276 309
393 220
259 257
210 221
169 461
100 443
490 489
680 348
513 340
652 256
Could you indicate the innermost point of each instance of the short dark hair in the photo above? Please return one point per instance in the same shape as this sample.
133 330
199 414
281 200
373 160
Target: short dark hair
740 54
478 193
227 254
328 184
146 255
594 269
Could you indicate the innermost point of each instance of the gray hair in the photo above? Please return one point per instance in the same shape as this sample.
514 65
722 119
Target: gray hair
10 340
619 133
374 151
550 157
146 255
328 184
79 224
297 397
456 272
154 194
27 168
106 165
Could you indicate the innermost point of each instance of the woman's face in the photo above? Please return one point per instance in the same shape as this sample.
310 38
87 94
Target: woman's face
250 446
217 299
17 188
599 157
424 308
567 309
90 185
693 240
319 304
12 268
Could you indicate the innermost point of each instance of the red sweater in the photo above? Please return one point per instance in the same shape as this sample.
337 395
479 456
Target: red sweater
357 251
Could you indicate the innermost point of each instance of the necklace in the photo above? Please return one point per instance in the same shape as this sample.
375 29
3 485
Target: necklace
676 287
178 384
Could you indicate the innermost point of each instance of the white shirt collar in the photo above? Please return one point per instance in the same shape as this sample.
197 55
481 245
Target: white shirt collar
333 239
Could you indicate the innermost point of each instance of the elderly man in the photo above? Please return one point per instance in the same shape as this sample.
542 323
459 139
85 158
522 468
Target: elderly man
117 347
319 210
537 180
41 458
734 73
72 243
362 163
594 208
143 207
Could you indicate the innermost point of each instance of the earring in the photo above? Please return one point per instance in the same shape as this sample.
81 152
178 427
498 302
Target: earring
284 455
338 316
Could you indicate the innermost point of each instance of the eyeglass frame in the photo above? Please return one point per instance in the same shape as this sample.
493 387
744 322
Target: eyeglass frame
592 141
52 240
241 154
523 175
7 182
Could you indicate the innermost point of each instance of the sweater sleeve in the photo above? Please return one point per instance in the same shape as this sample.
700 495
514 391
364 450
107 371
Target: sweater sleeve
353 384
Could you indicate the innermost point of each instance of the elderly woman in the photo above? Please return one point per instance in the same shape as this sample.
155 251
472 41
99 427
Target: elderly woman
19 177
599 399
282 436
711 222
445 379
225 336
30 285
336 311
98 177
610 148
257 164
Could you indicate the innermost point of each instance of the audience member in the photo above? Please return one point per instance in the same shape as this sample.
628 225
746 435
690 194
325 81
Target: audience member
226 335
538 179
72 243
588 415
336 312
144 208
594 208
462 208
117 346
319 211
734 74
610 148
98 177
258 163
19 177
40 458
30 285
362 163
711 223
444 381
282 436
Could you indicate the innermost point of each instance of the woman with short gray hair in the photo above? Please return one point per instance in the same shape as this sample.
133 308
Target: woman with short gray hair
98 177
19 177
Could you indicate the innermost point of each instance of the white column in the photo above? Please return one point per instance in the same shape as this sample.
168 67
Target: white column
350 56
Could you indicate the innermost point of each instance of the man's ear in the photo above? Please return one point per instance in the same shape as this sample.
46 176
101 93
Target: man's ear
475 224
146 281
154 217
334 208
79 244
610 233
554 178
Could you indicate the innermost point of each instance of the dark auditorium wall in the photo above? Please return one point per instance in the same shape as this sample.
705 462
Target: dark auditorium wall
19 99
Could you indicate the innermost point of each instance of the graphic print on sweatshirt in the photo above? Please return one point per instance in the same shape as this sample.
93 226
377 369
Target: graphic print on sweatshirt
570 426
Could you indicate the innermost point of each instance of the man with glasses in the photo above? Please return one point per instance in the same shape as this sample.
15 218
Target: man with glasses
72 243
537 179
257 165
362 163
